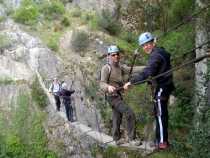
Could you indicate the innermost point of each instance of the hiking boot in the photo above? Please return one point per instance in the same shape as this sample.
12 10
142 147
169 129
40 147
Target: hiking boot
163 145
120 141
135 142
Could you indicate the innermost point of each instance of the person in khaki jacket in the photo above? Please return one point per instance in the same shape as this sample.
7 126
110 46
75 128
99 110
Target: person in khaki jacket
112 77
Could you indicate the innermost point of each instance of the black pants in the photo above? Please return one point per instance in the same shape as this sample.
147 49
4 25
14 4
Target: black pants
119 108
161 114
69 111
57 102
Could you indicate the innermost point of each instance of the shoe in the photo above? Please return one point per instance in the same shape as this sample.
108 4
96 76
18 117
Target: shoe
135 142
163 145
120 141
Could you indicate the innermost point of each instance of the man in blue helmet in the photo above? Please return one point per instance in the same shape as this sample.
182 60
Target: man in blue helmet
159 62
112 77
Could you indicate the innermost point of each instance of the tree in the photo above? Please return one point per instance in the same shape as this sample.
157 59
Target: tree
201 68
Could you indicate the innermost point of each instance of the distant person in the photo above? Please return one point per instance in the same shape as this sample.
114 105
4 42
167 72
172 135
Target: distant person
158 63
113 76
66 97
54 89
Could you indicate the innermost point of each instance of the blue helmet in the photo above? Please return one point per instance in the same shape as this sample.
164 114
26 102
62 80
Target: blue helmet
145 37
113 49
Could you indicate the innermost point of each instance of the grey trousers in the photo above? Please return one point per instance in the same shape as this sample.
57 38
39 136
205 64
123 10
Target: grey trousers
119 108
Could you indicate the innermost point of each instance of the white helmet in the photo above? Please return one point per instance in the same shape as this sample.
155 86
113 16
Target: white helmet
55 79
113 49
145 37
64 85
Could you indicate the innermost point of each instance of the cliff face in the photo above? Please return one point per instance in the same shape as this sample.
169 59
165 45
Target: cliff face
97 5
22 58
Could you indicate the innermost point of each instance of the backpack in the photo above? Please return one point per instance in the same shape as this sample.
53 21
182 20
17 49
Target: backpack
99 73
52 86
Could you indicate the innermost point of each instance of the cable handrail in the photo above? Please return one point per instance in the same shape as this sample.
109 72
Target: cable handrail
195 60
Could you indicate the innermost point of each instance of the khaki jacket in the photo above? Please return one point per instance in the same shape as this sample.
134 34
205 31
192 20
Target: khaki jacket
118 76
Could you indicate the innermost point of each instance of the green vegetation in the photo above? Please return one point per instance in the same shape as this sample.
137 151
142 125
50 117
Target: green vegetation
65 21
198 138
91 19
179 9
107 22
173 42
53 9
46 17
2 18
6 81
53 41
38 94
80 41
23 136
76 12
123 152
157 17
27 13
5 41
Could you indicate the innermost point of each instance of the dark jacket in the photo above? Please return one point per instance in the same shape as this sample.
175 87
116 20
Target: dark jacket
159 62
66 95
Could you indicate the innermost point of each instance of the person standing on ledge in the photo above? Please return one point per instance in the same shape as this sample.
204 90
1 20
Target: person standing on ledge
112 77
54 89
159 62
66 98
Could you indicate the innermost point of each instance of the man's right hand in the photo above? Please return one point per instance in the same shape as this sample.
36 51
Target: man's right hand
127 85
111 89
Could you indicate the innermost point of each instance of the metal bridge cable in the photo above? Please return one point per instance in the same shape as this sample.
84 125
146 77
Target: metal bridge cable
192 50
175 68
195 60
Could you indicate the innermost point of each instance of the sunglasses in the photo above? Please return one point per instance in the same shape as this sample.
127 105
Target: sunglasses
117 54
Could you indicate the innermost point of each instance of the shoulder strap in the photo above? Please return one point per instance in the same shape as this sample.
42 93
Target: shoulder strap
110 69
122 71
